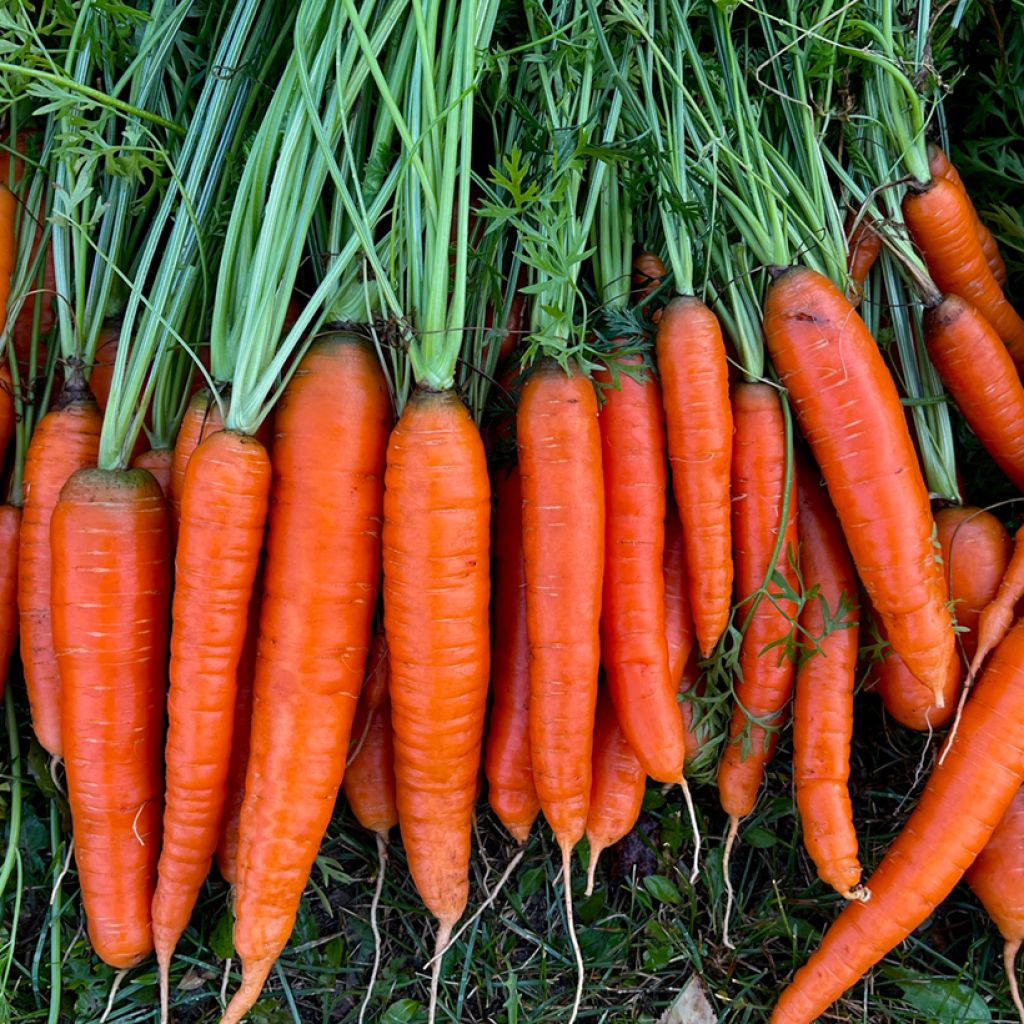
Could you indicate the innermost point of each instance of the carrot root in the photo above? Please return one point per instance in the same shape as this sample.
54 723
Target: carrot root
254 977
730 896
1010 951
444 934
691 812
382 863
596 849
571 925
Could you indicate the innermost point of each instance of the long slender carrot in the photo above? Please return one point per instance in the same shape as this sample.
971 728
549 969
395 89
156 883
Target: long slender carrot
962 803
997 878
617 790
823 708
678 617
695 386
10 531
974 364
202 418
940 219
66 439
320 590
220 534
111 587
996 616
159 462
511 791
563 546
941 167
850 412
8 212
634 649
863 244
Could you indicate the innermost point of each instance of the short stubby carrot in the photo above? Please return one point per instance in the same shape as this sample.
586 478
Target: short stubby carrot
634 649
563 546
823 707
907 700
849 410
157 461
320 589
766 673
694 375
940 219
111 591
66 439
678 617
202 418
510 788
963 801
10 531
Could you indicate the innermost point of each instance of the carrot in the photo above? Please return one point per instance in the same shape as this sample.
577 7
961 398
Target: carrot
159 462
320 588
511 791
678 617
563 546
908 700
102 373
634 649
863 244
10 530
690 683
649 274
223 515
617 790
850 412
8 248
939 218
202 418
998 614
695 388
7 412
963 801
66 439
111 583
941 167
979 373
997 878
823 708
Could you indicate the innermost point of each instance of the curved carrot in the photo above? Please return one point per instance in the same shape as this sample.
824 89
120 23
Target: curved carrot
66 439
563 547
617 790
695 389
319 594
223 515
940 219
634 650
963 801
510 788
997 878
979 373
863 244
111 586
850 412
998 614
10 531
908 700
8 211
941 167
678 617
823 708
202 418
157 461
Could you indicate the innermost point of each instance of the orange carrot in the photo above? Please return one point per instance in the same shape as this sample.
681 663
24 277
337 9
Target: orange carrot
66 439
962 803
7 414
10 530
863 244
908 700
511 791
649 274
850 412
617 790
8 212
111 584
690 682
319 594
695 384
101 375
202 418
159 462
997 615
678 618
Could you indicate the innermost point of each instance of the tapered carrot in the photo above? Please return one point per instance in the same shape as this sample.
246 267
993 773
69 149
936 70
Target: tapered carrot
111 586
510 788
617 790
998 614
997 878
962 803
66 439
823 708
940 220
678 617
695 385
849 410
320 589
908 700
563 545
223 516
863 244
10 531
202 418
157 461
634 649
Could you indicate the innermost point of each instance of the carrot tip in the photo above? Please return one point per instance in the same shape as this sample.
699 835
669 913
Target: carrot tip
596 849
444 934
254 976
860 893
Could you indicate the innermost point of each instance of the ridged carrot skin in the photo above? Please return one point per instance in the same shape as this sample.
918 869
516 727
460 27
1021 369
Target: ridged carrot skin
223 517
563 548
202 418
617 791
979 373
10 531
998 614
157 461
849 411
436 602
941 167
694 375
510 789
940 219
766 675
678 617
823 707
8 210
66 439
634 649
111 590
863 244
319 594
962 803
